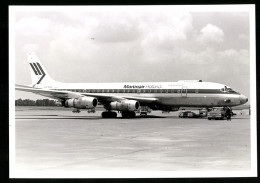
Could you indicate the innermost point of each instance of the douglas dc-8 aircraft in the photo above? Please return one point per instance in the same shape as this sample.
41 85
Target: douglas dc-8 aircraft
128 97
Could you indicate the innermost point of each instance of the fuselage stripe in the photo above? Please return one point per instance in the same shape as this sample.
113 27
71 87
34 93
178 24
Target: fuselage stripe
151 91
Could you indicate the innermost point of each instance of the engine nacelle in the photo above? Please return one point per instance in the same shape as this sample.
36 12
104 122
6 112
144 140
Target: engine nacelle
125 105
82 102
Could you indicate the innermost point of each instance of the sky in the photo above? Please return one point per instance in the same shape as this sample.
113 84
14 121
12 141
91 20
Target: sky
134 44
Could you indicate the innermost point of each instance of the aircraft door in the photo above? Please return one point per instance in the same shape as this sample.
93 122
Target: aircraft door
138 91
184 91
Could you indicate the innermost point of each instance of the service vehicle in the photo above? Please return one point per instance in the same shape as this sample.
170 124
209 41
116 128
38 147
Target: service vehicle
203 113
188 114
217 113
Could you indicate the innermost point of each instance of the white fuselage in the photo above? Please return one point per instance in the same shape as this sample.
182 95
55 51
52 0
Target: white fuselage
172 94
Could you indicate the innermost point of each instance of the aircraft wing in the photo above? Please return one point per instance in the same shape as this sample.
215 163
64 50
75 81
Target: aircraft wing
63 95
103 98
56 94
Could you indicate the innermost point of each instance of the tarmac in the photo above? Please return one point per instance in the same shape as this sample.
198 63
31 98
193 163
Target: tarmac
54 142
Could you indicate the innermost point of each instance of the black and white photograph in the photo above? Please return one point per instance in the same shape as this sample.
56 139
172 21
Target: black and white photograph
158 91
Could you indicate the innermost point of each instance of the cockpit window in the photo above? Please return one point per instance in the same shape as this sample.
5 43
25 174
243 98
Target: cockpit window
228 90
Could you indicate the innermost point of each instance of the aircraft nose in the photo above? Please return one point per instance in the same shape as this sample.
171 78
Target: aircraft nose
243 99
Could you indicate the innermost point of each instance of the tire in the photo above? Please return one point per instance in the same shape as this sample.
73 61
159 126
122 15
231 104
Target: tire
209 118
128 114
124 114
132 114
106 114
114 114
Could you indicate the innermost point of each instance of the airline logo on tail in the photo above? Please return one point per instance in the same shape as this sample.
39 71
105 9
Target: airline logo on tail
37 69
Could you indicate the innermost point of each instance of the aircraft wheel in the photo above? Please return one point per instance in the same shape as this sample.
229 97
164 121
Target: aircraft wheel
104 114
128 114
132 114
124 114
109 114
113 114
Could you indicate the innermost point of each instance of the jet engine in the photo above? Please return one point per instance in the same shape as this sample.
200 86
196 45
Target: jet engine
125 105
82 102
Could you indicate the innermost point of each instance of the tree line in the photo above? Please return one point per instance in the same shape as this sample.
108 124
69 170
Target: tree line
28 102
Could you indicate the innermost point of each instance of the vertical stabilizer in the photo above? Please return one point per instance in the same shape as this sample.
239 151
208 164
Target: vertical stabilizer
39 74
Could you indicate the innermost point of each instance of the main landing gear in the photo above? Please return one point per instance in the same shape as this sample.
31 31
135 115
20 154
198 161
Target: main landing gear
128 114
125 114
109 114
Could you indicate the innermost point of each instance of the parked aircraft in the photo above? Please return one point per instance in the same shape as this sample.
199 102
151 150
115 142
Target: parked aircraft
126 98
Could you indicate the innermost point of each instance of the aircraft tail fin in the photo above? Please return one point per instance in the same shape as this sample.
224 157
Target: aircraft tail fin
39 75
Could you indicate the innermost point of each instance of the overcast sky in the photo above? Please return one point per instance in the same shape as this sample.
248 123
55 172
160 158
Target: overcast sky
134 44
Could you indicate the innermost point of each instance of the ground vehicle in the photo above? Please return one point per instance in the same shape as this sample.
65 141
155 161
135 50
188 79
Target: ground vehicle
188 114
217 113
203 113
143 110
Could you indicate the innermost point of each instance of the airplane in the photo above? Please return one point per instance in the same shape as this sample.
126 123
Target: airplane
126 98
